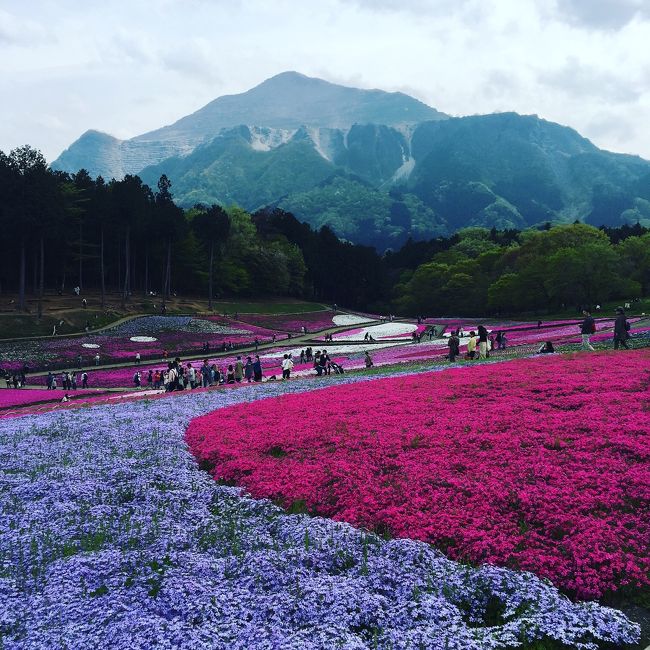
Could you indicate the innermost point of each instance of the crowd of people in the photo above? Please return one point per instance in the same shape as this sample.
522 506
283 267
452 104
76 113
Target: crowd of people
68 380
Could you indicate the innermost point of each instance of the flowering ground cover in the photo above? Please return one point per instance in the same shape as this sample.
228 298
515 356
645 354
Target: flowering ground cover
23 396
111 536
148 335
314 321
550 475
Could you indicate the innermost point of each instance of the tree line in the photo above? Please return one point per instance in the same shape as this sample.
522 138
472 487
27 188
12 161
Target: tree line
59 230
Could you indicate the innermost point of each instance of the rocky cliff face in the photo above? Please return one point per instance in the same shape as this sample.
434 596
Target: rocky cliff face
275 110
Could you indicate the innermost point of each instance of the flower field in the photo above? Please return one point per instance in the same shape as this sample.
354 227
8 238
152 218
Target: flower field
111 536
550 476
23 396
314 321
148 335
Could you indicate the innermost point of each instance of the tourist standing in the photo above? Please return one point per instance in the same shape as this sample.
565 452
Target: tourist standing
97 359
50 379
482 342
454 347
587 328
257 369
621 329
84 380
239 370
248 370
205 372
287 365
137 358
471 345
191 376
368 360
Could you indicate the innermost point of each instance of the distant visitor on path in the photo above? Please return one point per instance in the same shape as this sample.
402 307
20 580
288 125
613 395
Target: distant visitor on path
368 360
621 329
587 328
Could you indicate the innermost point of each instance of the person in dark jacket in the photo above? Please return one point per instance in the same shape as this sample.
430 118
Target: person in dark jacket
257 369
621 329
587 328
248 369
454 347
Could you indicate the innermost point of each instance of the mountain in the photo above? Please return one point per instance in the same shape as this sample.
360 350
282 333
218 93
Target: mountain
377 167
285 102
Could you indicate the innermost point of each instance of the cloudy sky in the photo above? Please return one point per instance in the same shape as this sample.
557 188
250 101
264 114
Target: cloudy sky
127 67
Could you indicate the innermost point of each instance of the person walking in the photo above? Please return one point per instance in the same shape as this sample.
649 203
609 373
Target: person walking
84 380
587 328
137 379
97 359
50 379
137 358
621 329
368 360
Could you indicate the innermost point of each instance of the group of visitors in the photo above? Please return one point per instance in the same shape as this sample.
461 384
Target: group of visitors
325 365
479 343
69 380
621 329
14 379
306 355
188 377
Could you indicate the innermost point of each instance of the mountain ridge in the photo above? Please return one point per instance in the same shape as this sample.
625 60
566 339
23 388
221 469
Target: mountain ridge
377 167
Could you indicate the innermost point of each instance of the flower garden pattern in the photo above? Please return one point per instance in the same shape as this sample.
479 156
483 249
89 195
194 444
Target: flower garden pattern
111 536
550 475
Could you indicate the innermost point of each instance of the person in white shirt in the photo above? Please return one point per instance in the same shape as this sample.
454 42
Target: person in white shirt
287 365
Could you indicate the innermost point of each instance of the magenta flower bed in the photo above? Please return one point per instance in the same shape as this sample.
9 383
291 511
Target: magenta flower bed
550 475
314 321
23 396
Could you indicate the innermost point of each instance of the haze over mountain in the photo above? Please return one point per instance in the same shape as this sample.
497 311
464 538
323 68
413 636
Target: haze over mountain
377 167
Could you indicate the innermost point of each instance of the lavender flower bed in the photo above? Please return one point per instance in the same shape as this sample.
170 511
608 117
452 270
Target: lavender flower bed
112 537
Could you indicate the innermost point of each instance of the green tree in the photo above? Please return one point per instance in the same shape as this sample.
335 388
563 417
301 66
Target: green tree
211 227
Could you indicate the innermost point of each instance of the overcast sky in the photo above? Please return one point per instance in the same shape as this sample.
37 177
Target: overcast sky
127 67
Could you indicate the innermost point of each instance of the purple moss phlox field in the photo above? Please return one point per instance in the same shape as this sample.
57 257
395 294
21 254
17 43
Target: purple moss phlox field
111 537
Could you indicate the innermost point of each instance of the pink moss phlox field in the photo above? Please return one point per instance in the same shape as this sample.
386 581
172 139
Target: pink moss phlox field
23 396
539 464
314 321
